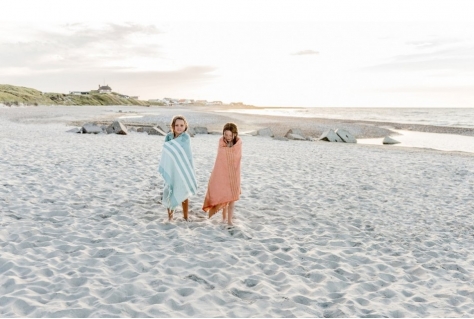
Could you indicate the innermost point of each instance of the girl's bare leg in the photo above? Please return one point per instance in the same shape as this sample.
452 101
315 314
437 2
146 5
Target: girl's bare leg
185 208
230 213
224 213
170 214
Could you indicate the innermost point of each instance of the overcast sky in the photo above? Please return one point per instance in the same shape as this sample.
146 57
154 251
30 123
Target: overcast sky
266 53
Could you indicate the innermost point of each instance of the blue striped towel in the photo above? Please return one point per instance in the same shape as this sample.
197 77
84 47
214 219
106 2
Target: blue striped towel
177 168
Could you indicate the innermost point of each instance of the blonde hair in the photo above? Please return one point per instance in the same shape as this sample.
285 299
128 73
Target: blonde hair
173 122
233 128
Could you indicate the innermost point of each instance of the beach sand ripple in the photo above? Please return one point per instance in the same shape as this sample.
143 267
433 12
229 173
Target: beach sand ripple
83 234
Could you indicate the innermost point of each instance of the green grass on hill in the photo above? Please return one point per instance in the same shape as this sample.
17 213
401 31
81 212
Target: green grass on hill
16 95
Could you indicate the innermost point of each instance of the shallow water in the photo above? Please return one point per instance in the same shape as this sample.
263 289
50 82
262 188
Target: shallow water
442 142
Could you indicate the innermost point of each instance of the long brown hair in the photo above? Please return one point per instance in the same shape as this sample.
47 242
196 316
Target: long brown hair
233 128
173 122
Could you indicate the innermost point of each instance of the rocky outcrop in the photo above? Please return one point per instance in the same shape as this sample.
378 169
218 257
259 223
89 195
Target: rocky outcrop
144 129
116 128
389 140
330 136
91 128
263 132
346 136
191 131
200 130
156 130
295 134
75 130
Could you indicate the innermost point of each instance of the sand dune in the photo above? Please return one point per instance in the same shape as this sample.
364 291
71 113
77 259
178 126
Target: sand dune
333 230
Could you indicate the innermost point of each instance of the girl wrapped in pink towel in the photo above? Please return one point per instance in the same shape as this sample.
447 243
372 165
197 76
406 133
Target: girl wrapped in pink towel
224 184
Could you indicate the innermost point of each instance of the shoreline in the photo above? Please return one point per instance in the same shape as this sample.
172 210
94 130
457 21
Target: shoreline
280 124
366 132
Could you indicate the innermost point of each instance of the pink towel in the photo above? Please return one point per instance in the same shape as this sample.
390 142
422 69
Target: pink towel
224 183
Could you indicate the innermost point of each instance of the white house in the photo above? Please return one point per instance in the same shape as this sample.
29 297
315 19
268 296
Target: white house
105 89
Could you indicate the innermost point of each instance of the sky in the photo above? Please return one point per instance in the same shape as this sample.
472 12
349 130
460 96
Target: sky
264 53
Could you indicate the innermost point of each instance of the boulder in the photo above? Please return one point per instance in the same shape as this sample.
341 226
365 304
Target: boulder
330 136
132 128
389 140
144 129
312 139
346 136
200 130
191 131
295 131
91 128
117 128
156 130
280 138
75 130
263 132
294 137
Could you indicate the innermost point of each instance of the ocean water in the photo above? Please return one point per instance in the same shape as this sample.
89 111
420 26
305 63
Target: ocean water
455 117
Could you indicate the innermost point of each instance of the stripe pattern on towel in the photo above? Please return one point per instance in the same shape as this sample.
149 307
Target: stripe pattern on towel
177 168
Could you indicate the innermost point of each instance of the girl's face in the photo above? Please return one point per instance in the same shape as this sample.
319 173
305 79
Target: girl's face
179 127
228 136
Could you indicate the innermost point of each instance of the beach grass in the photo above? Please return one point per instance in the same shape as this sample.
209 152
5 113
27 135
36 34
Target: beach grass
16 95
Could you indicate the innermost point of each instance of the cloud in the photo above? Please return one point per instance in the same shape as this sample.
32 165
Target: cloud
79 57
458 60
306 52
79 46
432 42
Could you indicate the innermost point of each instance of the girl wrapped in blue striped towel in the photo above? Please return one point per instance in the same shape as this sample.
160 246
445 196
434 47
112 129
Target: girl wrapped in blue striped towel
177 168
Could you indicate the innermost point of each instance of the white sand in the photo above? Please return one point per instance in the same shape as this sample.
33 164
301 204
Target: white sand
321 229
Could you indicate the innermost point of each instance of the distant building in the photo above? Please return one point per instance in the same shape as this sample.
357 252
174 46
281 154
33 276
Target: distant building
79 92
215 103
105 89
236 103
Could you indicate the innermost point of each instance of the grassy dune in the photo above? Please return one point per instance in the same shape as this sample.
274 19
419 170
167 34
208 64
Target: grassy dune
16 95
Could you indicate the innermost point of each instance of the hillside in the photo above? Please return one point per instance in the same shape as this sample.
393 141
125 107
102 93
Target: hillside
16 95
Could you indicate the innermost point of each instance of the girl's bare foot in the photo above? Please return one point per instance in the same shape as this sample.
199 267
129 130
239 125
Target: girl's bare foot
230 213
170 215
224 214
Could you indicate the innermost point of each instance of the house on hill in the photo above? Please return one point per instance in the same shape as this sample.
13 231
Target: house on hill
105 89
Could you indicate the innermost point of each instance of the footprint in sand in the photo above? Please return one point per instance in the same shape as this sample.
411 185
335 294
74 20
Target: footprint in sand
245 295
201 281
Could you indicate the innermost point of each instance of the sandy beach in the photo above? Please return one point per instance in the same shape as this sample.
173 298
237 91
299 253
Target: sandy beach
321 229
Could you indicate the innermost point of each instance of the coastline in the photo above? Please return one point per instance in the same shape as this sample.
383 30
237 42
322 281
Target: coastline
367 132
